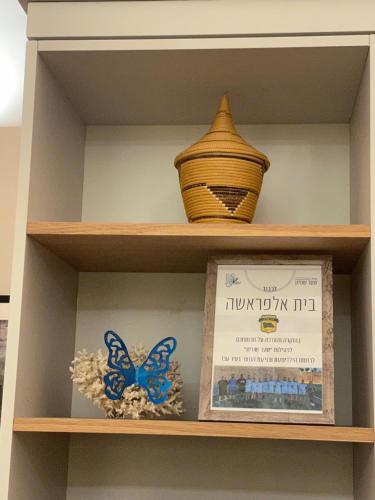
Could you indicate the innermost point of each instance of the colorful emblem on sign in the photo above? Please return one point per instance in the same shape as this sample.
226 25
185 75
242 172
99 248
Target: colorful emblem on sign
268 323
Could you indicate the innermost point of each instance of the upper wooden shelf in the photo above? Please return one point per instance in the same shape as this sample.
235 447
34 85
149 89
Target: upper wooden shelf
186 247
193 428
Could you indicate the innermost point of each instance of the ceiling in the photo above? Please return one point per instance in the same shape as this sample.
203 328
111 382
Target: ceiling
12 61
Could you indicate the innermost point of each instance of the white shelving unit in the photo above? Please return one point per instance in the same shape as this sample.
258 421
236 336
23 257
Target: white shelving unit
101 242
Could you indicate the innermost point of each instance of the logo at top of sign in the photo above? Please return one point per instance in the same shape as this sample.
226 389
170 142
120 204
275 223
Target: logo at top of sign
268 323
231 279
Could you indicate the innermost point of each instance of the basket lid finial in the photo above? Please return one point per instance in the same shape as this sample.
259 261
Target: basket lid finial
225 103
223 121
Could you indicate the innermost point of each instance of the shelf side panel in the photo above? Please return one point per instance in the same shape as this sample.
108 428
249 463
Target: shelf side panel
363 299
363 469
58 143
47 335
362 370
39 468
360 212
6 435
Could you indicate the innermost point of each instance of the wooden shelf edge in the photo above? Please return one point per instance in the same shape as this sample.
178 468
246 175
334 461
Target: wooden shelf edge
186 247
197 429
35 228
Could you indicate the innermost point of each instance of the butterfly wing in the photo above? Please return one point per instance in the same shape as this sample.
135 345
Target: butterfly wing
124 373
157 388
115 384
158 359
151 374
118 356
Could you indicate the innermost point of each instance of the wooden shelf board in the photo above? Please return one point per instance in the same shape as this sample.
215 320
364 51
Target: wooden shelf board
186 247
193 428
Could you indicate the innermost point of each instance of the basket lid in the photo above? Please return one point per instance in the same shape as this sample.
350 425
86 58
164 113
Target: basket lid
222 140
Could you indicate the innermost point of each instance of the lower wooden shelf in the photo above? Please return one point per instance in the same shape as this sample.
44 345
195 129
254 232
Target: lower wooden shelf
193 428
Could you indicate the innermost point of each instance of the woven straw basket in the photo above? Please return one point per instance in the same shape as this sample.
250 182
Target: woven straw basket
221 175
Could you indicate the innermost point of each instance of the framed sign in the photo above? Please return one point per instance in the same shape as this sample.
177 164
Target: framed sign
268 340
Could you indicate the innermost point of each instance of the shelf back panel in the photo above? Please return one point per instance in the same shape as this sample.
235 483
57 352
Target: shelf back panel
150 468
144 308
130 177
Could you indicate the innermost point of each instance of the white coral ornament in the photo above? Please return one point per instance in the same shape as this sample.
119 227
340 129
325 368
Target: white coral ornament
87 372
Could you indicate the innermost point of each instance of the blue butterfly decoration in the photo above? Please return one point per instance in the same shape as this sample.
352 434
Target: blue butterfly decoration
149 376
